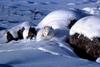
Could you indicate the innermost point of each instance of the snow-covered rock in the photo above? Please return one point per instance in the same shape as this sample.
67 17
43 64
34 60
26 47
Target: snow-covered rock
98 60
29 31
60 19
15 29
24 30
89 26
85 37
44 34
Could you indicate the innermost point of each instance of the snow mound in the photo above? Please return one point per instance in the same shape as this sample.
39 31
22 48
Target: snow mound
88 26
59 19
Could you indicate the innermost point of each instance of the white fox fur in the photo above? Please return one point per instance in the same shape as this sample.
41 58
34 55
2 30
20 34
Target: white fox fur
45 33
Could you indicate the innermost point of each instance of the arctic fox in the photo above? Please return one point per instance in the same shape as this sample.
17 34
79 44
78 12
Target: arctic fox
45 33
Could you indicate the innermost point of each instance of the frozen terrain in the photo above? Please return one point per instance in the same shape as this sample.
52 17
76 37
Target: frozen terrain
30 53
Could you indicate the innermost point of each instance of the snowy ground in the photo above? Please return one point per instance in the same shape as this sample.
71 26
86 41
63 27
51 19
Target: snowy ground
26 53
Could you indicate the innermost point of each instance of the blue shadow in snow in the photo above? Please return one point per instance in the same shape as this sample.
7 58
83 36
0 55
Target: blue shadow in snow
5 65
2 28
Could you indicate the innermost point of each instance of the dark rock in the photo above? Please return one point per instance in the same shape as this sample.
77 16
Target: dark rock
20 33
32 33
84 47
9 37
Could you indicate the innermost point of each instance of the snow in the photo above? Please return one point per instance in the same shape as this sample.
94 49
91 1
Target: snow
92 10
25 33
98 60
45 46
45 50
59 19
88 26
14 14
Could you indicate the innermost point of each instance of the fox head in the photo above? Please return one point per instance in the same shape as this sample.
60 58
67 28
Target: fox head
47 30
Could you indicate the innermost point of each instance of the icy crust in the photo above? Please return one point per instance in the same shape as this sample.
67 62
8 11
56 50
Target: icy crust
88 26
59 19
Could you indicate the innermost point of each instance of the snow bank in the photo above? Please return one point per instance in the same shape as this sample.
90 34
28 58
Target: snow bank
88 26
